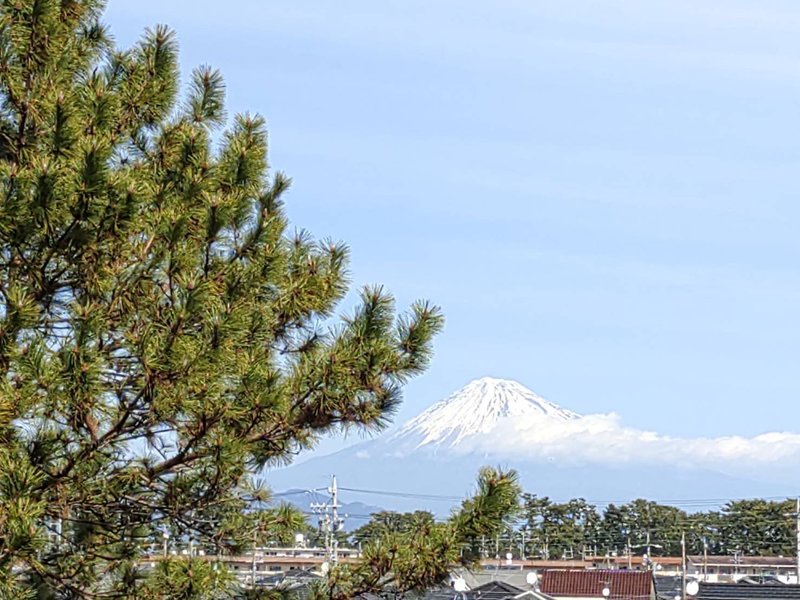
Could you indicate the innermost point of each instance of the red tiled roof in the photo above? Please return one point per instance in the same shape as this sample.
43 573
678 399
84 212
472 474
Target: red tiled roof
624 585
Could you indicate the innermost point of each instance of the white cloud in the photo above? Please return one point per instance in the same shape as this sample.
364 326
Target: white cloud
603 439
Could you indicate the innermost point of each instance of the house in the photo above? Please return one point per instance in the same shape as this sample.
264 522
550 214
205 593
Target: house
747 591
716 569
668 587
598 584
493 590
290 578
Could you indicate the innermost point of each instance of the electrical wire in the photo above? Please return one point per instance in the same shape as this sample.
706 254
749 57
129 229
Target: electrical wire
698 502
408 495
662 534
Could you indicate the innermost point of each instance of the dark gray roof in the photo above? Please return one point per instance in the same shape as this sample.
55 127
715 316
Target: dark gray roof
438 593
747 591
493 590
761 580
668 586
442 592
533 595
302 574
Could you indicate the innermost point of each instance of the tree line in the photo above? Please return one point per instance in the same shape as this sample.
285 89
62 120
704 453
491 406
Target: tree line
574 529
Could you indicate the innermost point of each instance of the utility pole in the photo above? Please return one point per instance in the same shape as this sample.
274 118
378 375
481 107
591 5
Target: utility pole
705 559
336 522
253 565
797 525
683 565
630 552
330 523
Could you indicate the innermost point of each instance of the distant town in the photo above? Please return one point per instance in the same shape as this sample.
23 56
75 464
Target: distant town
641 549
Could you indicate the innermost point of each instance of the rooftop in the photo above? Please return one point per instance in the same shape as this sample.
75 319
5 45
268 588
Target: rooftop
623 585
747 591
493 590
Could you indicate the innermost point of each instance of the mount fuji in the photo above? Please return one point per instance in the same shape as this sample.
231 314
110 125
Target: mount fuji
432 459
475 411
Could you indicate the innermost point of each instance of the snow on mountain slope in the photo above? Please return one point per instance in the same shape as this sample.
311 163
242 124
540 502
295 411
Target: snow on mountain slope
501 420
477 409
557 452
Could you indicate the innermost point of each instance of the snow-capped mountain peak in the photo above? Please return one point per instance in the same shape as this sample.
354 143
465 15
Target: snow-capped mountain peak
556 452
476 409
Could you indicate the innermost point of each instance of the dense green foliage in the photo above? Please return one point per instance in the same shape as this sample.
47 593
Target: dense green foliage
387 522
162 333
575 528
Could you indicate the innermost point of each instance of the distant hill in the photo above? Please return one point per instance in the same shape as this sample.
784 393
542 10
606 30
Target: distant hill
355 514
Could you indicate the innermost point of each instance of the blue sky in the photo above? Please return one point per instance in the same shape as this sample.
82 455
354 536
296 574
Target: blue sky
602 196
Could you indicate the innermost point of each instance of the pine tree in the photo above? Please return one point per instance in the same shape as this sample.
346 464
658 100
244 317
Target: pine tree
413 553
386 522
163 334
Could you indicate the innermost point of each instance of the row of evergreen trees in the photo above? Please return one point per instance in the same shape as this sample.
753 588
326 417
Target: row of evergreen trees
555 530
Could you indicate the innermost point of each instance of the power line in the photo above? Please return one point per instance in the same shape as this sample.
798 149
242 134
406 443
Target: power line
676 503
410 495
664 532
296 492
